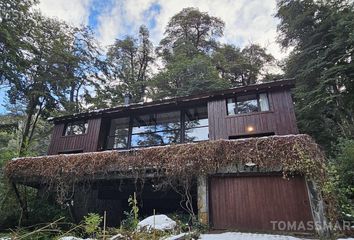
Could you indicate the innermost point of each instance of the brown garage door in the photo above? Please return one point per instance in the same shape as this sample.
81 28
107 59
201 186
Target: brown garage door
251 203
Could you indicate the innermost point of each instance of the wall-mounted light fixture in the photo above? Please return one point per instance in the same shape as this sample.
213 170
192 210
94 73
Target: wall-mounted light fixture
250 128
250 164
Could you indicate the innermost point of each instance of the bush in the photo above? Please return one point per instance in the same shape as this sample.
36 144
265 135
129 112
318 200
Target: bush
131 218
92 224
342 177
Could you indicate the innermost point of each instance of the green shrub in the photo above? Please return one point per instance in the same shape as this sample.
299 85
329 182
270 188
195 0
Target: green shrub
341 171
92 224
131 218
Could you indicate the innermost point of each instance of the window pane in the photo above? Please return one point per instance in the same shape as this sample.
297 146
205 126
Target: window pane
231 106
76 128
118 133
120 140
156 122
263 102
196 117
247 104
156 129
197 134
155 138
168 121
196 124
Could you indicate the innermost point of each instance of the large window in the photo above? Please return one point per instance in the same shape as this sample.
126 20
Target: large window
159 129
156 129
196 124
248 104
118 133
76 128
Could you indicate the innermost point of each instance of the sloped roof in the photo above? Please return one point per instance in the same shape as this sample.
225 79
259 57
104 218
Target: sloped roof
180 100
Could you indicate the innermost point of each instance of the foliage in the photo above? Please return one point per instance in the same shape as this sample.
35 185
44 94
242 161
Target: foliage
177 165
44 60
132 217
242 67
342 177
190 27
184 76
129 67
321 35
84 68
40 209
189 38
195 62
186 224
92 224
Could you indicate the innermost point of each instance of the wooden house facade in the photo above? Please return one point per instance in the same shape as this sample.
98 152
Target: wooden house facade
259 110
241 197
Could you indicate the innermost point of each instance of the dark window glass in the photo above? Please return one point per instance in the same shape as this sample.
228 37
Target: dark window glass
247 104
118 133
76 128
196 124
156 129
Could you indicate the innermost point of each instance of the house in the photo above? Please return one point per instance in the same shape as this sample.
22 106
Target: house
234 158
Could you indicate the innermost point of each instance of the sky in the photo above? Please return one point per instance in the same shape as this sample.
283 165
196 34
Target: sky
246 21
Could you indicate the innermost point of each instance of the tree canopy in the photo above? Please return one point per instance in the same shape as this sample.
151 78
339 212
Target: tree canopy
49 67
322 36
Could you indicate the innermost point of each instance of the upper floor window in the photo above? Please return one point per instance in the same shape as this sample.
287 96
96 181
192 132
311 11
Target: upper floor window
162 128
156 129
76 128
196 124
118 133
248 104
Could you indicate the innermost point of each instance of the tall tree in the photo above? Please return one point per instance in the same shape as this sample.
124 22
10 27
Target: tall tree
241 67
129 61
84 68
15 23
186 76
191 27
321 33
185 50
38 79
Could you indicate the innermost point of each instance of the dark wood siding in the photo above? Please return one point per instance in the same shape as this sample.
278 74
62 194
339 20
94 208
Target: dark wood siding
77 143
279 120
252 203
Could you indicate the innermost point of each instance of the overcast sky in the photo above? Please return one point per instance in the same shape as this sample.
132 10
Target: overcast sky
246 21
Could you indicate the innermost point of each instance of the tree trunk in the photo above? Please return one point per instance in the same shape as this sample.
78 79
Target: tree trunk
26 132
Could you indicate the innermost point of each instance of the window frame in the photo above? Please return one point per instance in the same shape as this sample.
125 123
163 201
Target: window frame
131 126
85 122
182 128
186 128
248 113
109 136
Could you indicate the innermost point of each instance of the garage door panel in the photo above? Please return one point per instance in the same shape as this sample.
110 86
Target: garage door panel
251 203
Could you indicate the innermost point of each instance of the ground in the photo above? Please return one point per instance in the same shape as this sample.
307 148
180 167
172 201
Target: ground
248 236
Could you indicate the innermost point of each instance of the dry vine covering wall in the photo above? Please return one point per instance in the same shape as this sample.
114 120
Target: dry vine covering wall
295 153
177 163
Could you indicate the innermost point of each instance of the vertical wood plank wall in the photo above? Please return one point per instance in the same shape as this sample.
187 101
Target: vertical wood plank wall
86 143
280 119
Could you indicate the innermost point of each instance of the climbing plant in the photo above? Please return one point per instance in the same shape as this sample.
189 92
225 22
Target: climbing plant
175 165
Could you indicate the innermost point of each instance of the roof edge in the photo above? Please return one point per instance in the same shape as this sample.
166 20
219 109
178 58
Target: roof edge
290 82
